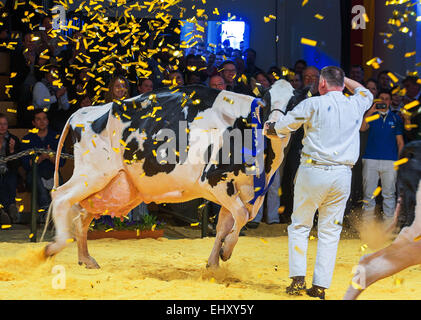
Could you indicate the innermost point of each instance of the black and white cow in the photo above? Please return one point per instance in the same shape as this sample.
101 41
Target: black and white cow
405 251
118 147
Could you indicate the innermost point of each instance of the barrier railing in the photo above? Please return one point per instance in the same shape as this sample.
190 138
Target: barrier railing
202 211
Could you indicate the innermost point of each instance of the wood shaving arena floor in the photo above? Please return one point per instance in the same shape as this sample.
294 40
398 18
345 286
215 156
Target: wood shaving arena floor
170 268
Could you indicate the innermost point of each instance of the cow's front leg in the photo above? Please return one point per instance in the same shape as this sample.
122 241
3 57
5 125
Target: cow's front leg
224 226
401 254
82 226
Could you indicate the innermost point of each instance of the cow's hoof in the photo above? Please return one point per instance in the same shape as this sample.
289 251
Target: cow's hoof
221 254
212 265
90 263
47 251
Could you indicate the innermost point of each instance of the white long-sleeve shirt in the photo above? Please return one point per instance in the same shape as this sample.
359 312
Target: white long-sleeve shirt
331 124
43 99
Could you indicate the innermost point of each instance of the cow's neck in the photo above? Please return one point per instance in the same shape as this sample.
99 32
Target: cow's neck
278 146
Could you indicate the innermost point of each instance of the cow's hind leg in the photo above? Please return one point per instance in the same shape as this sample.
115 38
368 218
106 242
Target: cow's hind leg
400 255
224 226
82 226
79 187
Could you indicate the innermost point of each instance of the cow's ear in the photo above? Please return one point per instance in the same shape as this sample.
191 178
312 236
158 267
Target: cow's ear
303 93
260 91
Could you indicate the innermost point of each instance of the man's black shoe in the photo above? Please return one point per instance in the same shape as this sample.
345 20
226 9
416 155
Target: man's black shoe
297 286
316 292
252 225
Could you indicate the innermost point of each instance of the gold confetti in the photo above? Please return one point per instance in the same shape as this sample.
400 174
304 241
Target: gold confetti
21 208
70 240
108 230
372 118
308 42
31 236
6 226
194 224
264 240
296 248
356 285
281 210
153 227
417 238
376 192
411 105
393 77
400 162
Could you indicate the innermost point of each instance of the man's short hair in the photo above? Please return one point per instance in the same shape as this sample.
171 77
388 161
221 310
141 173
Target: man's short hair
334 76
2 115
223 64
36 112
385 92
412 79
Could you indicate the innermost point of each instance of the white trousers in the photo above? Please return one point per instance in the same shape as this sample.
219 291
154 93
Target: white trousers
326 188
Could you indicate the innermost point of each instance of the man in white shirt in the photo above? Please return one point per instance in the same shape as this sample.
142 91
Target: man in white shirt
331 147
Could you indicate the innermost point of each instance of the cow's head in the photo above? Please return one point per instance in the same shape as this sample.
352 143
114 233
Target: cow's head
280 99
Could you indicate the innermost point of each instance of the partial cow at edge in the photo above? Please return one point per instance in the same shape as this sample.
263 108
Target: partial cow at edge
116 166
405 251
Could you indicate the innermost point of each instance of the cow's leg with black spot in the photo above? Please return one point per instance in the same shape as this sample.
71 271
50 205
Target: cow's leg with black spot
404 252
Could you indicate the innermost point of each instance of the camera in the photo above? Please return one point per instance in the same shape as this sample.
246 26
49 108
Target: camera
381 106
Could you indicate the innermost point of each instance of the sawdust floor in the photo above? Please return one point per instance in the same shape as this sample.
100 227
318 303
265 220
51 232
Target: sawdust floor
175 269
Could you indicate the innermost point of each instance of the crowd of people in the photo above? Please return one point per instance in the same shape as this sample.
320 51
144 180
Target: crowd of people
46 96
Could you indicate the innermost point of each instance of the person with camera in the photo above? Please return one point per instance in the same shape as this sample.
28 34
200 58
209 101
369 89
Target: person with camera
384 145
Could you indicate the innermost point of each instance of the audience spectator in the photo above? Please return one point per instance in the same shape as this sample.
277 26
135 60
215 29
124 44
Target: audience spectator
384 144
217 82
296 80
397 100
413 89
384 82
274 74
300 66
263 79
51 96
311 77
23 64
118 89
412 117
9 145
48 42
372 86
357 74
250 60
144 85
44 138
228 72
176 76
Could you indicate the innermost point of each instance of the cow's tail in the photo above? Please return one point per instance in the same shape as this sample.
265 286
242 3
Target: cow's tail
59 148
56 175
